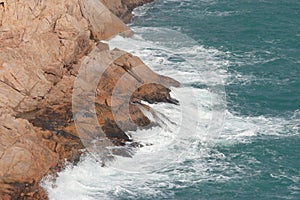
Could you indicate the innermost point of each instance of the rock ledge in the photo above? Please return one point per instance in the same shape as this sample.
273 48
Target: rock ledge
43 47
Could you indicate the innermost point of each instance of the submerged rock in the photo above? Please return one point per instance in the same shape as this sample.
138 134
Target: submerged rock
44 46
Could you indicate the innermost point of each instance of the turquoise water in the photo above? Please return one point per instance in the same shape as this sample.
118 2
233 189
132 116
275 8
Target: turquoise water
262 41
236 134
262 36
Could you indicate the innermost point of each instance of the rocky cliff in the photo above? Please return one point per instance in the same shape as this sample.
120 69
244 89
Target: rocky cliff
44 47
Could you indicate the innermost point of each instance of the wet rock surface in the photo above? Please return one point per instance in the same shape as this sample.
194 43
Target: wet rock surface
44 46
123 8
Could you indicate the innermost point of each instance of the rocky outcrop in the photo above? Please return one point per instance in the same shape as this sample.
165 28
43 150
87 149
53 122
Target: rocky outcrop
44 47
123 8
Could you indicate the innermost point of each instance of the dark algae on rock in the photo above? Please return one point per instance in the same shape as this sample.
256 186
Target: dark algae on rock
43 44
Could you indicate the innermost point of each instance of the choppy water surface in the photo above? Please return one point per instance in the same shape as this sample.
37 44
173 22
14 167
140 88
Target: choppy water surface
236 132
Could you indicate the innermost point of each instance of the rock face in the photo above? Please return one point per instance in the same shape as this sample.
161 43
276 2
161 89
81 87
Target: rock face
123 8
44 48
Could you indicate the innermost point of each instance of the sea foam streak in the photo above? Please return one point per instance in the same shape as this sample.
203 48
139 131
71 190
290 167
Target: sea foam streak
180 152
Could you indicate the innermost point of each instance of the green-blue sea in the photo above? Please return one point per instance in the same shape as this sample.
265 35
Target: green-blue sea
239 65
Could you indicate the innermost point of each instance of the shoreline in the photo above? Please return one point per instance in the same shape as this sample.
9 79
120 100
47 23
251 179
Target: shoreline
38 130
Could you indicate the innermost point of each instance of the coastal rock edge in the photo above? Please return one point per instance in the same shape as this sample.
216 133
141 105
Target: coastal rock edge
43 45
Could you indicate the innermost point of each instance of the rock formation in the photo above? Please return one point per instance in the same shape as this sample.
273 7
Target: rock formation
123 8
43 47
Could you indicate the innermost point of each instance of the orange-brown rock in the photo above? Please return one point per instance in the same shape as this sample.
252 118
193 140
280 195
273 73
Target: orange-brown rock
123 8
44 45
23 157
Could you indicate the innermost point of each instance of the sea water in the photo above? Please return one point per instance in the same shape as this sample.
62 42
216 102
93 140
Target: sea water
235 134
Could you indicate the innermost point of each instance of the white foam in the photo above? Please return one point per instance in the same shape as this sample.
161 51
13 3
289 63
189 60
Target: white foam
181 151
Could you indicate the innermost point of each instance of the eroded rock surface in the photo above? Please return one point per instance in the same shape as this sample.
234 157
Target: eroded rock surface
123 8
44 47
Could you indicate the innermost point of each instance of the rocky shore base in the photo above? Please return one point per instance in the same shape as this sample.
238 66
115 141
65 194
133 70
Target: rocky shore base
43 46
